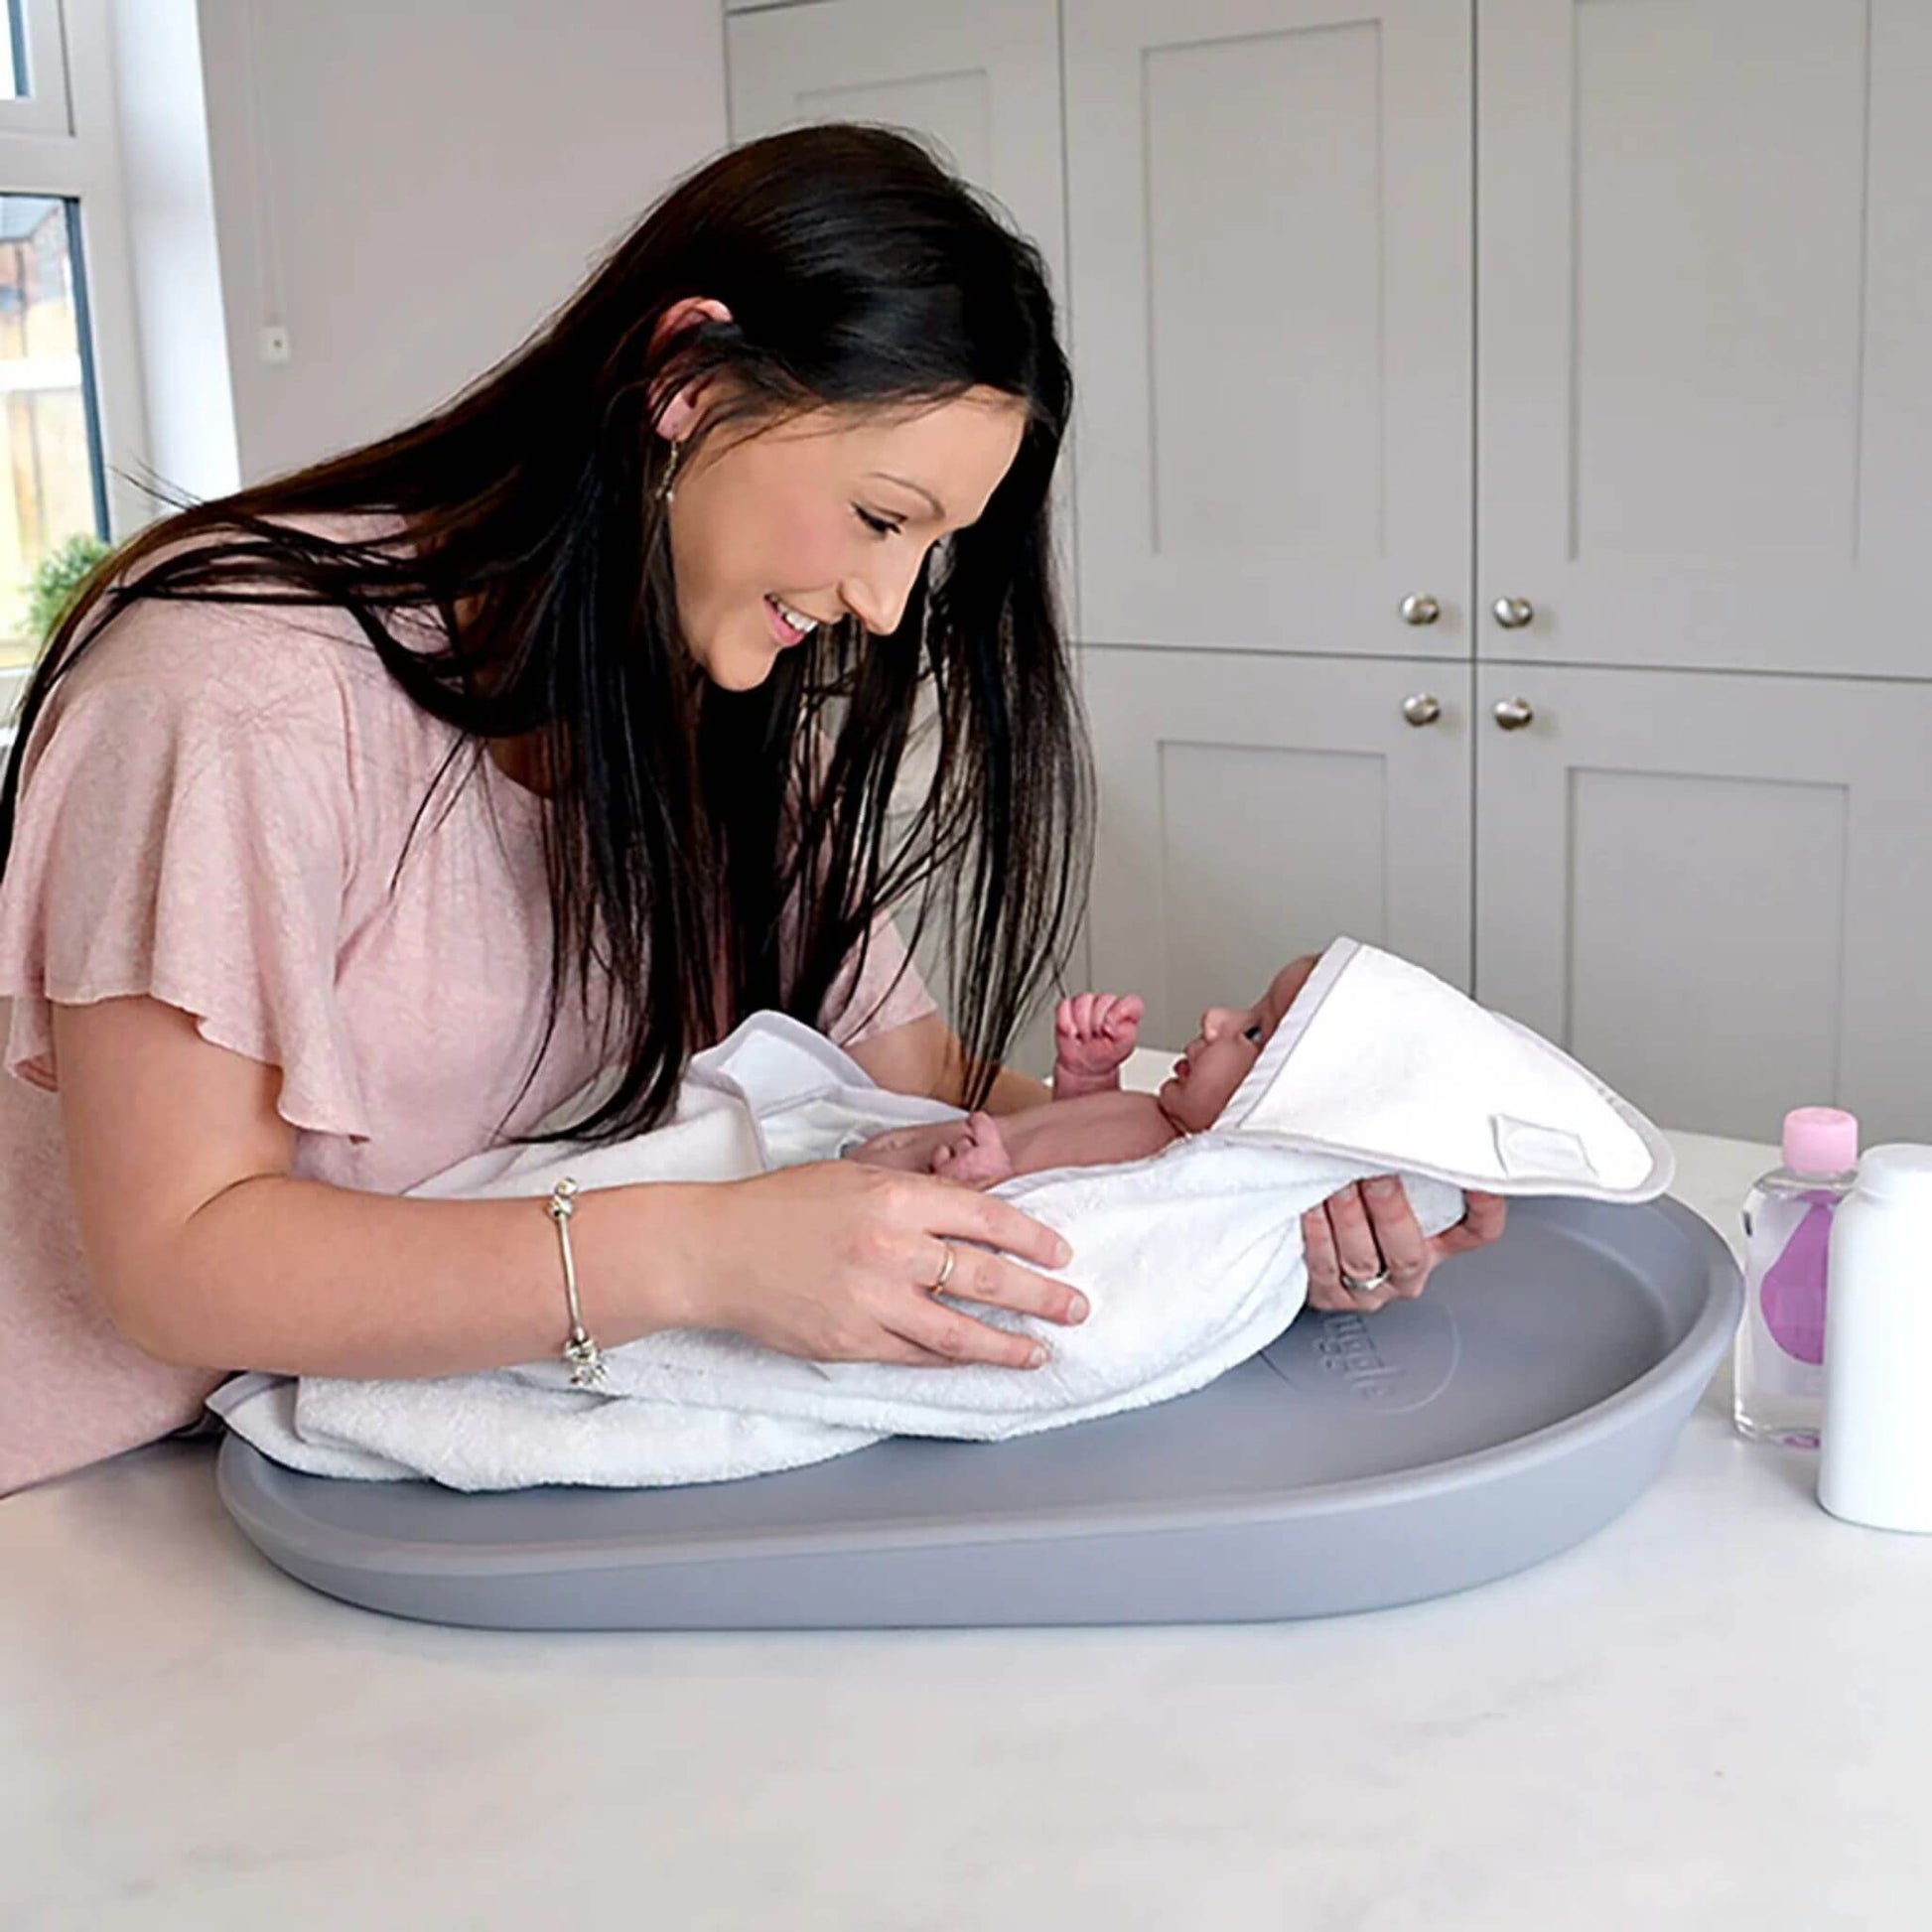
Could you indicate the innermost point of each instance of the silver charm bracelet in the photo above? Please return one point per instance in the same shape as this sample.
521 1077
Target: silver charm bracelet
586 1359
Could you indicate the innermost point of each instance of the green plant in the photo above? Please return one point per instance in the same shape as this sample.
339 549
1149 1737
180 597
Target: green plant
54 584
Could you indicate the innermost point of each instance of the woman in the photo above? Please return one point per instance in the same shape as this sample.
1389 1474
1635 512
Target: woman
357 819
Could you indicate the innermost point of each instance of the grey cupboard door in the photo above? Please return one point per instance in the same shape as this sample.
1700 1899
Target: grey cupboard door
1254 805
1705 257
1714 890
1269 208
981 83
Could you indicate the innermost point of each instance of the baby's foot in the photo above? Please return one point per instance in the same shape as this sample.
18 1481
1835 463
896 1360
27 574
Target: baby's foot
977 1156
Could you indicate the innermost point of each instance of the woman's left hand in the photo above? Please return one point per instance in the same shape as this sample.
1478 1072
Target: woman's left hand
1370 1225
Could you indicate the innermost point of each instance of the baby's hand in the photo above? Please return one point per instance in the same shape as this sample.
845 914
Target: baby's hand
977 1156
1094 1035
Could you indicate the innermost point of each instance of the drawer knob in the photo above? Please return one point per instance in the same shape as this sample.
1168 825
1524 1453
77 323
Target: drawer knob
1419 609
1422 708
1512 714
1513 613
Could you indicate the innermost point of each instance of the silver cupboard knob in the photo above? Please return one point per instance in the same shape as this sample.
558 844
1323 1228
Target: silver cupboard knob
1512 714
1419 609
1422 708
1513 613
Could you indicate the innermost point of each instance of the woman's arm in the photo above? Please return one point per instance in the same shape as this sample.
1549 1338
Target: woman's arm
205 1251
927 1058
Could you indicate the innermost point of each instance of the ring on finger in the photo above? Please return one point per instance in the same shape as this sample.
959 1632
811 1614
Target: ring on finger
1360 1233
945 1273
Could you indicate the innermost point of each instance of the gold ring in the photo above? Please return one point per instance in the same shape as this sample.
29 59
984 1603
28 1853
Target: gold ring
945 1274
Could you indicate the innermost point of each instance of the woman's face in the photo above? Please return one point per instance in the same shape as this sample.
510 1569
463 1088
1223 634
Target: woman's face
824 516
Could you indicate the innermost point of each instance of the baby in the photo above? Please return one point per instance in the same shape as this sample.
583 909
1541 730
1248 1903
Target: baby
1090 1122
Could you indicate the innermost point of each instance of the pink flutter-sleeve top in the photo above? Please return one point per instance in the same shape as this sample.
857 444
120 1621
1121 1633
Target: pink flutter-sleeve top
212 805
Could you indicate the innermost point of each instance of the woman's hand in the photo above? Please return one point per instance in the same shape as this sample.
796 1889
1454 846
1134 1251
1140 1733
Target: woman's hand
836 1261
1369 1225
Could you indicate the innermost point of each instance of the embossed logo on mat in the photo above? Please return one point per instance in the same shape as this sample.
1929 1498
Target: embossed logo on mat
1384 1363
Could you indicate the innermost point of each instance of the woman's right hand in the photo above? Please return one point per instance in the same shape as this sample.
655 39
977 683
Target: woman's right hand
835 1262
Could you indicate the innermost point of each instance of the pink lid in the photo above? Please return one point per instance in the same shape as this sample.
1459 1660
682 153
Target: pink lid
1820 1140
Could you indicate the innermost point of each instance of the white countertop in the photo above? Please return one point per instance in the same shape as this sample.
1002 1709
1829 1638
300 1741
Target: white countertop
1714 1712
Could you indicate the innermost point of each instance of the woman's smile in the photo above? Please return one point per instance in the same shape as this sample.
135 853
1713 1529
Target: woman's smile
784 627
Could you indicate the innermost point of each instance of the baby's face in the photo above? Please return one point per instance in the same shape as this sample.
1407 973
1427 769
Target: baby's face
1220 1055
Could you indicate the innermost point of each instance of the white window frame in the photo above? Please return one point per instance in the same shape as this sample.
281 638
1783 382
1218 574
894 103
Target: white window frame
46 109
63 141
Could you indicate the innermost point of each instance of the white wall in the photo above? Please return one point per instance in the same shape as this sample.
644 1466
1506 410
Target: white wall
409 187
176 268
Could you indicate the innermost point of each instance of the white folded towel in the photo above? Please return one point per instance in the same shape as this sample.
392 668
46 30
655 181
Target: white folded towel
1191 1258
1377 1060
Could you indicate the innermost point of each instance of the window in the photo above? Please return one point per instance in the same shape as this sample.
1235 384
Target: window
51 480
12 55
70 419
33 67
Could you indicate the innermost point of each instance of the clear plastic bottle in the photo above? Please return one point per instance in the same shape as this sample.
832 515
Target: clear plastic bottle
1779 1379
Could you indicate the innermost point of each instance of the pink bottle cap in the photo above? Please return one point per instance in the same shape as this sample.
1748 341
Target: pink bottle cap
1820 1140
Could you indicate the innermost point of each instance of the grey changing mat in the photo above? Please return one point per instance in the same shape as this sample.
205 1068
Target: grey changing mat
1522 1402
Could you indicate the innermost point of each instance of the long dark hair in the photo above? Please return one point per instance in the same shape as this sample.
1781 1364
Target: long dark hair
684 819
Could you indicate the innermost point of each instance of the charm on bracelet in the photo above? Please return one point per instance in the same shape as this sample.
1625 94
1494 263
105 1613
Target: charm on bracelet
586 1359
